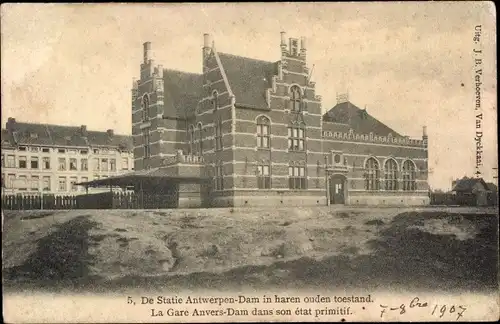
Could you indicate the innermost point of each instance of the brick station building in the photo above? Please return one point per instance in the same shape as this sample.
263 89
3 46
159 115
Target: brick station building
254 131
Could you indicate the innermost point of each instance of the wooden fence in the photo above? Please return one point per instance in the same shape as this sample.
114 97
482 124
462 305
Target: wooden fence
449 199
103 200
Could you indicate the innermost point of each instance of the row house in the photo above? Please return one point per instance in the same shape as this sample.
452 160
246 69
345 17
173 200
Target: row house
54 158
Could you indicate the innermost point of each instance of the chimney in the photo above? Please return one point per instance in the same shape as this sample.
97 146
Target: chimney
283 38
303 46
283 44
424 131
147 52
294 46
83 130
135 85
207 43
110 132
160 71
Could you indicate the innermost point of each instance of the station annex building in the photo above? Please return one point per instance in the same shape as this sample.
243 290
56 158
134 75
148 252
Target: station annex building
248 132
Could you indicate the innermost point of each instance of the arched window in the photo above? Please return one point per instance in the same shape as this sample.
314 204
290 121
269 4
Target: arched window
296 137
372 175
145 107
295 98
200 140
218 136
408 173
263 176
191 139
215 100
263 132
391 175
219 176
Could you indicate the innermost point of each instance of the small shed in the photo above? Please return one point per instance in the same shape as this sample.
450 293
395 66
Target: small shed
471 192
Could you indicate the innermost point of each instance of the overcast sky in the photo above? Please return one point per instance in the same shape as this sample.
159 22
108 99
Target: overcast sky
410 64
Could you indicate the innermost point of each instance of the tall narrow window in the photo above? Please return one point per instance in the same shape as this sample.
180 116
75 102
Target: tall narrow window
372 180
391 175
112 164
200 140
296 177
124 163
191 140
95 162
11 178
263 132
263 177
219 177
35 182
104 165
62 164
46 163
46 183
145 107
34 162
73 164
215 100
218 136
409 170
23 182
11 161
146 143
84 165
62 184
73 181
295 98
296 137
22 162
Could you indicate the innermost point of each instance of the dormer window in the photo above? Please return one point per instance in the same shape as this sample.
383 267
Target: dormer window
295 98
33 135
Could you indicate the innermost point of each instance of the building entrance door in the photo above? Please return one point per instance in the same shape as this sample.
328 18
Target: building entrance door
337 189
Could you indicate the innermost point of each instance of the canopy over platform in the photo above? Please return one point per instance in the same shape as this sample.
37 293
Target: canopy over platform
143 177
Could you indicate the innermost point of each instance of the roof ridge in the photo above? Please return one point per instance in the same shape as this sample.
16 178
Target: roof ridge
185 72
248 58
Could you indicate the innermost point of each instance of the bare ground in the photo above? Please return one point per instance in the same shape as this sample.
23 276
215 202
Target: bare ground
445 249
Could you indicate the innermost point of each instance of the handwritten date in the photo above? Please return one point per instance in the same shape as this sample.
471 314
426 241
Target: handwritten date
416 303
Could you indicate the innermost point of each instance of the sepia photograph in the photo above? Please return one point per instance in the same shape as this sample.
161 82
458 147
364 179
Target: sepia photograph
236 162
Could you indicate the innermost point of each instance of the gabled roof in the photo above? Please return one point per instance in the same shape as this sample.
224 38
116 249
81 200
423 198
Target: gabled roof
136 177
248 78
359 120
183 91
491 186
57 135
467 184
